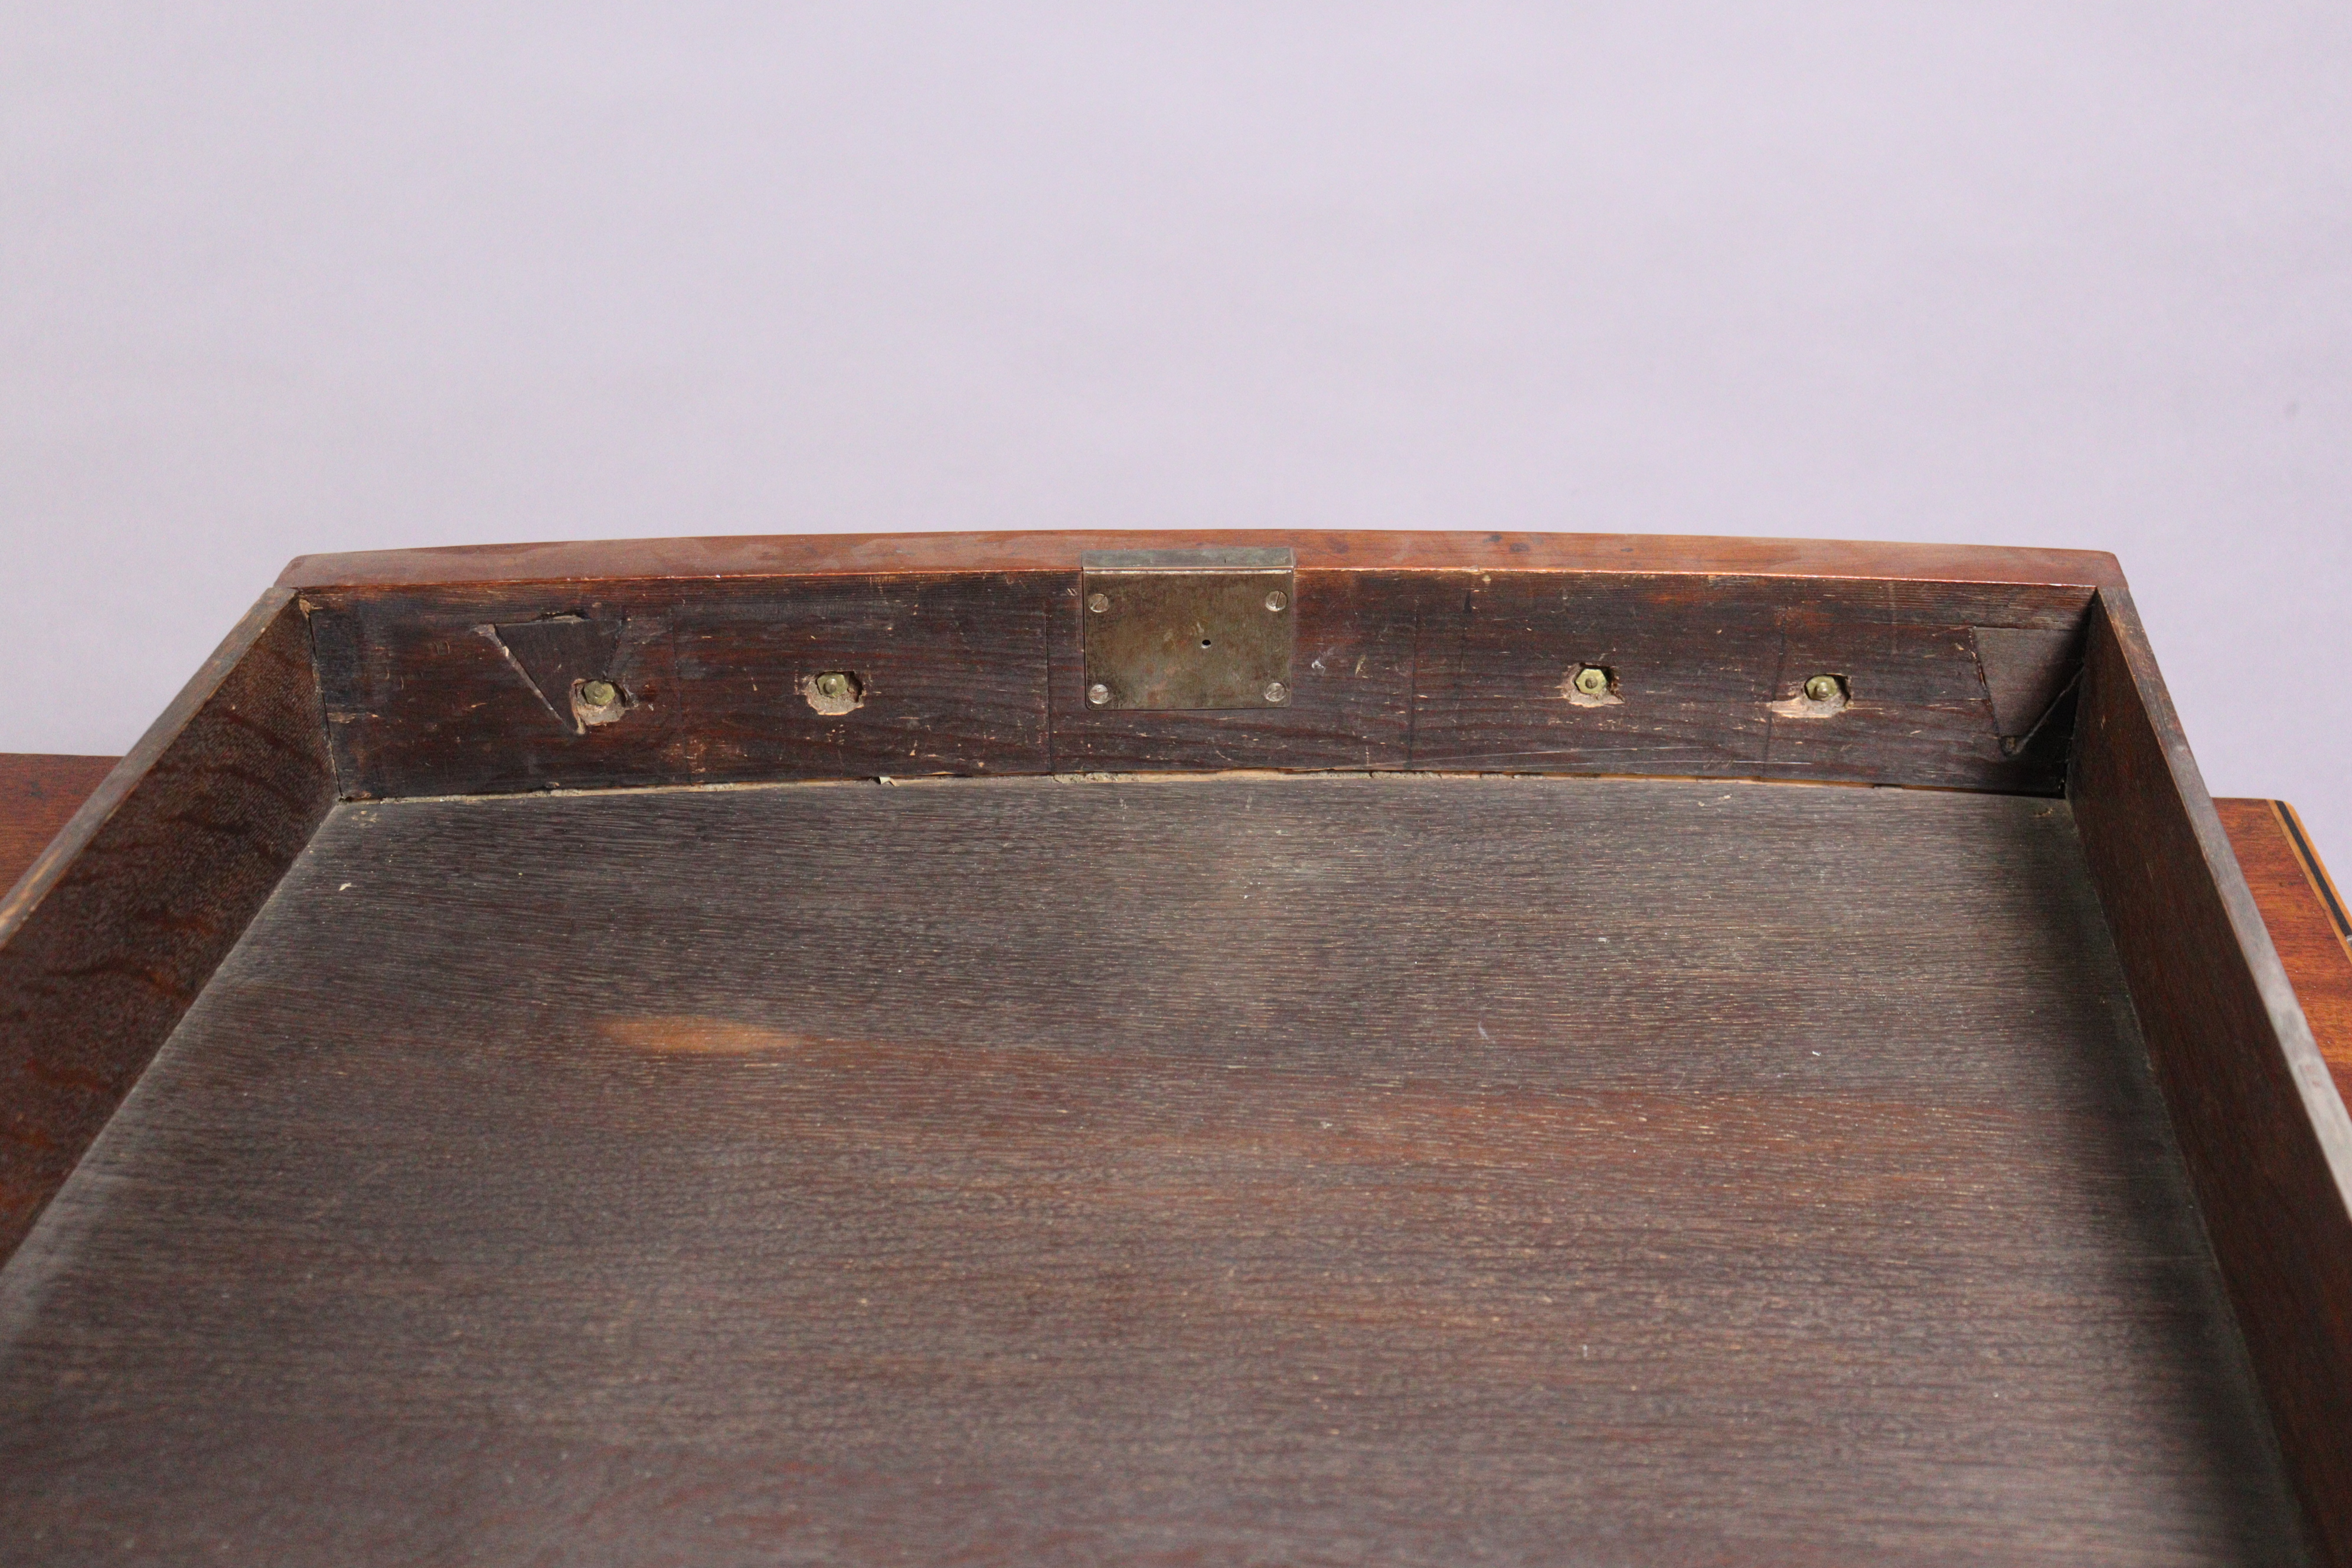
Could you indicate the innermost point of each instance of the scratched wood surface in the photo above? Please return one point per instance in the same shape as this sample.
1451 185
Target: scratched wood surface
983 673
1241 1169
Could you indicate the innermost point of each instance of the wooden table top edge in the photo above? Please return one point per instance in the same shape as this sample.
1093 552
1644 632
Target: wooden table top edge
1317 550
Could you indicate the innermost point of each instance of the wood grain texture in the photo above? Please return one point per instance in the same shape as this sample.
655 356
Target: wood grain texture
110 935
983 672
1246 1169
1700 665
1338 549
420 701
2261 1124
38 794
2304 916
2025 672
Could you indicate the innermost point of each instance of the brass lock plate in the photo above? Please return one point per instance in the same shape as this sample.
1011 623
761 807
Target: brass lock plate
1188 629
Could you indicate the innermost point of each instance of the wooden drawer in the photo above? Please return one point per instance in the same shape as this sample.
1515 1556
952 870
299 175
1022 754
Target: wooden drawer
738 1051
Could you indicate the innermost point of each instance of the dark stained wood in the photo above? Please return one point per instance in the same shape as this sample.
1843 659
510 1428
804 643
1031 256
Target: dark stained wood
39 793
1370 550
2025 672
107 938
2306 917
1700 666
2262 1126
508 1195
2290 886
978 673
558 654
1245 1169
420 701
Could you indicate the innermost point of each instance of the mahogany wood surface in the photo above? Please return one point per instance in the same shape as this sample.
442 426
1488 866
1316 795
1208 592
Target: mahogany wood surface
110 933
38 794
2261 1124
1237 1169
2306 915
1336 550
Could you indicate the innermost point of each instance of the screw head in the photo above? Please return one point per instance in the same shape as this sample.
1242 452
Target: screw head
1276 692
1277 600
1592 681
1098 603
1822 689
599 693
1097 694
832 684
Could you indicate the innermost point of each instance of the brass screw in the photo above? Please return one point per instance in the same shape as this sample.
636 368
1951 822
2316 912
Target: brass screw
1822 689
1097 694
1098 603
832 684
599 693
1277 600
1592 681
1276 692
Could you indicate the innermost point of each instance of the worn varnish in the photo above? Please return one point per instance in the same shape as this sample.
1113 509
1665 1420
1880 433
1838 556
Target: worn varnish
1317 549
1223 1170
39 793
110 933
419 701
2262 1126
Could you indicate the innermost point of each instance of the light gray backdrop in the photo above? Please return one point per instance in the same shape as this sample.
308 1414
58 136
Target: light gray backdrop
331 278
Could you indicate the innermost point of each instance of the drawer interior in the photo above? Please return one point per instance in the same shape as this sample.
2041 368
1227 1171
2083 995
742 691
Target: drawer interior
1232 1168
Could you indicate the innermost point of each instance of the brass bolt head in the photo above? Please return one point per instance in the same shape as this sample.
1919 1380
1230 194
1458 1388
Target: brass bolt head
1098 603
832 684
599 693
1592 681
1277 600
1097 694
1276 692
1822 689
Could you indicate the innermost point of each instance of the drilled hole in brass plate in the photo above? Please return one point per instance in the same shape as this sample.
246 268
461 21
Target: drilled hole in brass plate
1188 629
